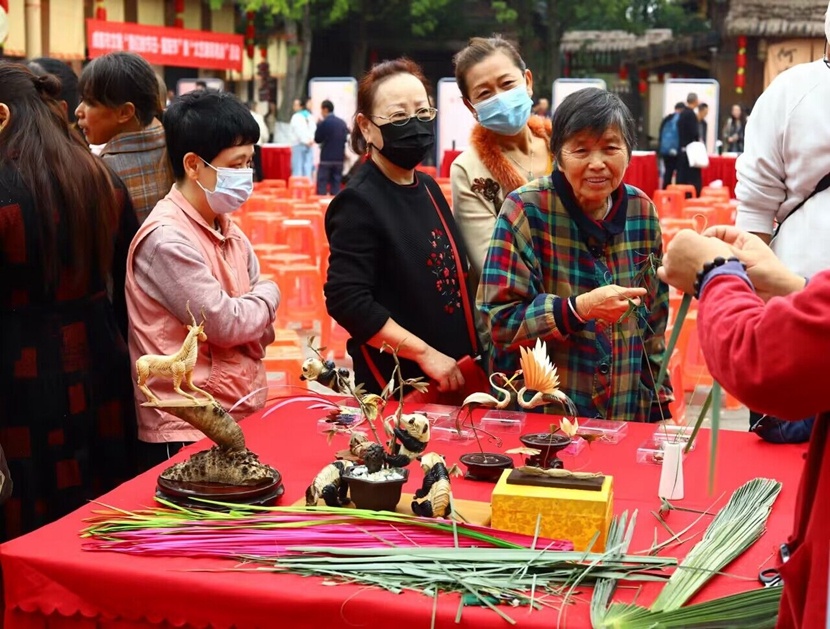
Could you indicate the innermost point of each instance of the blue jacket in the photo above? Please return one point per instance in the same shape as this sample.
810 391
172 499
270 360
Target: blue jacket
331 135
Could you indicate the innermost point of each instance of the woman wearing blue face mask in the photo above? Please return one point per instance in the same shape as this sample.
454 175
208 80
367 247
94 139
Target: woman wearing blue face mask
508 147
190 253
397 271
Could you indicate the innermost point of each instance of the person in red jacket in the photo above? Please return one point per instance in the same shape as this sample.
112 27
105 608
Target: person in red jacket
765 334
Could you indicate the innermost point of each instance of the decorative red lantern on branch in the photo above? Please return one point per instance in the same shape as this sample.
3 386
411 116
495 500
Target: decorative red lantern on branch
623 72
740 64
178 6
643 85
249 35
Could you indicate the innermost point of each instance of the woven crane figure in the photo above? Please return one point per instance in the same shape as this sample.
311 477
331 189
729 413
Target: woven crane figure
540 376
178 366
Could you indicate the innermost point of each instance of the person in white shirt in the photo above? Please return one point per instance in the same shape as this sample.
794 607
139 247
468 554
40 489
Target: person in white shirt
785 157
302 152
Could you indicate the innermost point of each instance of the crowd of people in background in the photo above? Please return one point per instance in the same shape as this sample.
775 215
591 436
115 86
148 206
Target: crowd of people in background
116 235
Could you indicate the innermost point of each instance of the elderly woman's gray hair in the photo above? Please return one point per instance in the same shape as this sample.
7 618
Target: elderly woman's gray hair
593 110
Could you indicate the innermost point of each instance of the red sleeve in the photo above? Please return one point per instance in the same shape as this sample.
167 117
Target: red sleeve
772 357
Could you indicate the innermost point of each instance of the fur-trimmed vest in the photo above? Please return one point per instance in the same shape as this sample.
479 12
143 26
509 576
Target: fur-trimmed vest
481 178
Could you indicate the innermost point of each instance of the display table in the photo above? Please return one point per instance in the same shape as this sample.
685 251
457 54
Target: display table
51 582
446 162
721 167
276 161
642 172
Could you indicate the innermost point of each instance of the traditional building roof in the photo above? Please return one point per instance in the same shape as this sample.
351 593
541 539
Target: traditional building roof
612 41
781 18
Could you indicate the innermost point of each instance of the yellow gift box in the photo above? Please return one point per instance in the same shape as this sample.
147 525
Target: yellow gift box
568 514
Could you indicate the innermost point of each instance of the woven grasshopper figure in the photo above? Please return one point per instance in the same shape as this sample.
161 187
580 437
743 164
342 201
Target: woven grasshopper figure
178 366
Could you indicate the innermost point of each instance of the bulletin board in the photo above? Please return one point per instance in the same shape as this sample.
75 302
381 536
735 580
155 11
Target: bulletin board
341 91
564 87
455 122
707 90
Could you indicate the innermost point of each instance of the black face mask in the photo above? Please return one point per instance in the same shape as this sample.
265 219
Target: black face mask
407 145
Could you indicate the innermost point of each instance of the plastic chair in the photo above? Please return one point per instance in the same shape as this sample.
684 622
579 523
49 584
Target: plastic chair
685 188
429 170
669 203
263 227
301 181
332 336
721 194
286 360
301 286
301 191
287 337
301 235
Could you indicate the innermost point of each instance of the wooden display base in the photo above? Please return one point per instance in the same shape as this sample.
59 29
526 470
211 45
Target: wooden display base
472 511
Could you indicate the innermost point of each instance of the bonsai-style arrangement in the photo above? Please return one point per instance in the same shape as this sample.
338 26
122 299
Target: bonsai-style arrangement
227 470
376 470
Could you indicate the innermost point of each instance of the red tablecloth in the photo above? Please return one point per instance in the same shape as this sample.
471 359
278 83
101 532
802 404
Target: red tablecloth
447 160
276 161
50 582
642 173
721 167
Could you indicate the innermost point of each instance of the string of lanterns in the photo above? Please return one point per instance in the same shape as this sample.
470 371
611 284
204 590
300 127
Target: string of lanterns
740 63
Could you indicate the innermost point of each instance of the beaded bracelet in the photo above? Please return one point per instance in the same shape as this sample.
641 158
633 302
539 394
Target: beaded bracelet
710 266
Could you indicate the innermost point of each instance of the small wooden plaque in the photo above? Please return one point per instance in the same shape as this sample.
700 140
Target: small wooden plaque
518 477
472 511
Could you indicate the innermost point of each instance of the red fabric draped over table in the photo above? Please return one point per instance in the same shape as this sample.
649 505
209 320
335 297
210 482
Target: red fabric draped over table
721 167
276 161
50 582
642 172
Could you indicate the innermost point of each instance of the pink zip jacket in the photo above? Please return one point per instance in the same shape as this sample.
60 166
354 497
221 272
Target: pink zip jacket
177 257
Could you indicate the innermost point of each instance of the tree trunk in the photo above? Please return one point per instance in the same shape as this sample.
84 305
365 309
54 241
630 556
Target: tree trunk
554 38
360 48
306 35
292 71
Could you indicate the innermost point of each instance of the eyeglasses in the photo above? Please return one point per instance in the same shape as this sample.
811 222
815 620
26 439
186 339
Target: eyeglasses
400 118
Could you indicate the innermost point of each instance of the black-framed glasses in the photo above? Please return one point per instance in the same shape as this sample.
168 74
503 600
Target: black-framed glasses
400 118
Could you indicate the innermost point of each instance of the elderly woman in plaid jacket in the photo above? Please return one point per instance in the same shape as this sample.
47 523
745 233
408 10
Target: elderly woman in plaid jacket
570 262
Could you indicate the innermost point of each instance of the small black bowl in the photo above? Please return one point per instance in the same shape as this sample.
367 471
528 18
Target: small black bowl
486 466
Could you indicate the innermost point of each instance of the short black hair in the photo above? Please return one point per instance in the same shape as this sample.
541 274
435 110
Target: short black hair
680 105
67 77
594 110
702 106
327 105
122 77
206 123
201 84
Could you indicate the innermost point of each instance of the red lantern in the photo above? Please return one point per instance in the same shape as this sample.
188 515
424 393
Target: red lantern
643 84
623 73
250 33
740 65
263 51
100 10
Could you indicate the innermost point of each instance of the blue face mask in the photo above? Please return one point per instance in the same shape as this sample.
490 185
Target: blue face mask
233 187
506 113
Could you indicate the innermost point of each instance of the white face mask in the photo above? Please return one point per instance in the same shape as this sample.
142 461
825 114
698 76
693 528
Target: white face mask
232 189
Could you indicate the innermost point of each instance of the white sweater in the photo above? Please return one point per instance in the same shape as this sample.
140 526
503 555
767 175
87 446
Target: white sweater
786 153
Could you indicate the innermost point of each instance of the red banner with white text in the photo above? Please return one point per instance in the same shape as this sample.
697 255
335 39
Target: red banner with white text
166 46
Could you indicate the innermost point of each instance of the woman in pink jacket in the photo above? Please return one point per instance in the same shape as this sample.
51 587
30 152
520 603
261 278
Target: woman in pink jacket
188 251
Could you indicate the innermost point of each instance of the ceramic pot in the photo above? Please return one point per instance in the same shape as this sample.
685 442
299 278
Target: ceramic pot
486 466
376 495
548 445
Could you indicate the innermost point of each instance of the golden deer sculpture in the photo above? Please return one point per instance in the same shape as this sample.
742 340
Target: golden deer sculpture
177 366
